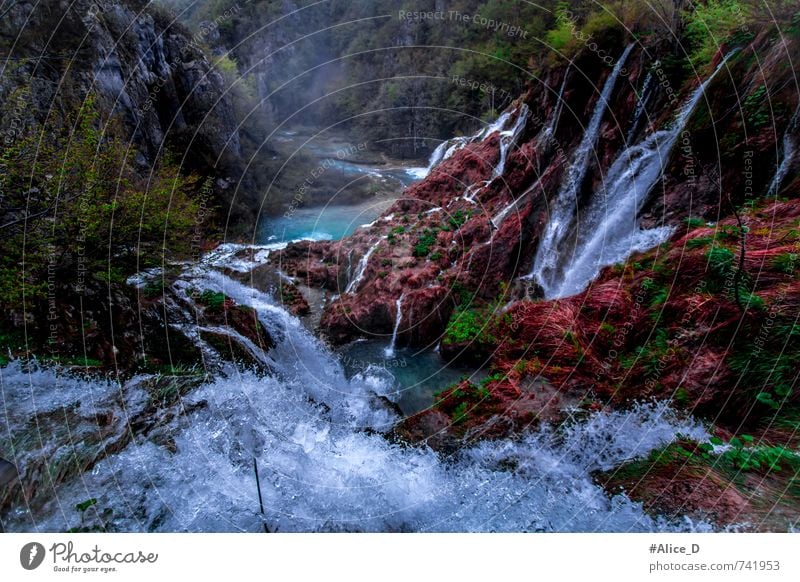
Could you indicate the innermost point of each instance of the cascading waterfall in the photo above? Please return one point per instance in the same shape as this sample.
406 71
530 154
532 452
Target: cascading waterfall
608 231
789 148
352 286
564 205
398 318
641 105
446 149
508 138
549 130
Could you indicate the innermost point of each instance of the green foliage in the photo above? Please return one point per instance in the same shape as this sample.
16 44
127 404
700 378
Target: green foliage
656 292
460 412
457 219
466 326
720 260
746 457
786 263
770 362
694 222
424 243
83 506
85 525
696 243
436 256
681 396
214 300
89 212
81 361
756 109
710 24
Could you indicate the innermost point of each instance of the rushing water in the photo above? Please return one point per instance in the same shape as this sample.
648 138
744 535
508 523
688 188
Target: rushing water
787 158
398 319
317 433
563 208
640 112
549 130
578 245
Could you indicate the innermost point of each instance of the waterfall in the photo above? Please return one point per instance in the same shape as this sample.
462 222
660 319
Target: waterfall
549 130
446 149
608 231
352 286
389 352
498 218
565 203
507 138
641 105
789 148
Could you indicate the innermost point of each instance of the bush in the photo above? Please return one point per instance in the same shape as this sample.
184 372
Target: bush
424 243
786 263
720 260
711 24
87 212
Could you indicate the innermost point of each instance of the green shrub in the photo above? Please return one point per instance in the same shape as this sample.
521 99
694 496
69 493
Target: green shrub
756 112
746 457
424 243
465 325
696 243
786 263
720 260
89 211
710 24
457 219
214 300
694 222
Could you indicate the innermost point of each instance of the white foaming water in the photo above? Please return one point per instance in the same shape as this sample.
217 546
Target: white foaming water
789 148
508 139
320 472
389 352
608 230
324 460
352 286
417 173
563 208
641 104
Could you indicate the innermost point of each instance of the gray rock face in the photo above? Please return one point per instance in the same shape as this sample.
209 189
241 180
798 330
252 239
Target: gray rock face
137 62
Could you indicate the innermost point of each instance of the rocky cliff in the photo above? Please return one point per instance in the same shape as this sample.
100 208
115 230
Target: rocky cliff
472 226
